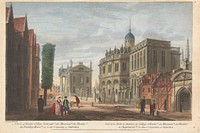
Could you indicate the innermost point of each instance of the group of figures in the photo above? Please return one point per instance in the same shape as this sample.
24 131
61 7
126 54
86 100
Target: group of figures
152 106
61 106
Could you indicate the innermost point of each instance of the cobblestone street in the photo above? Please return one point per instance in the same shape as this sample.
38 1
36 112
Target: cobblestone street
99 112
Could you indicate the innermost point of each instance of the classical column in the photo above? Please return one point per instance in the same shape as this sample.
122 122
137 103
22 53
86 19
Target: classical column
61 84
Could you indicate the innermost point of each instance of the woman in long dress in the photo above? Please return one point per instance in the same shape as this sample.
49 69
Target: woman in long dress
57 107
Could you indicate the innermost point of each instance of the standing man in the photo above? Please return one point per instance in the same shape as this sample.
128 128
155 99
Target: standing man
142 105
77 101
153 107
40 104
66 105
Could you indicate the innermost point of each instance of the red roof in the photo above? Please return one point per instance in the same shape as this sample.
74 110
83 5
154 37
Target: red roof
19 24
7 14
31 33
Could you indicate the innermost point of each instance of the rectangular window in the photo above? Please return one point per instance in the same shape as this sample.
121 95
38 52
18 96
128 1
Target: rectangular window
109 92
144 58
154 57
104 69
81 79
140 59
135 61
124 66
149 90
163 58
132 62
74 79
116 67
87 80
134 86
109 68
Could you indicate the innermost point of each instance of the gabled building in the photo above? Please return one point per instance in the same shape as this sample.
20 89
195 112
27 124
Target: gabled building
76 80
22 57
157 87
33 72
21 77
145 88
162 91
11 64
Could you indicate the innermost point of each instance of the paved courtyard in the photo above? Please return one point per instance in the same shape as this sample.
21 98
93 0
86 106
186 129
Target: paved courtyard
99 112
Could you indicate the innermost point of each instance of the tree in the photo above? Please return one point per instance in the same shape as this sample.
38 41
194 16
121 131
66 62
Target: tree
48 53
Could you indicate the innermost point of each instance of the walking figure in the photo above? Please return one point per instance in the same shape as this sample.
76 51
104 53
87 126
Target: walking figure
66 105
40 104
77 101
152 108
142 105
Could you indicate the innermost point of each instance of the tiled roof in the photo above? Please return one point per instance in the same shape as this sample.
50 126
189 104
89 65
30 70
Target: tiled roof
31 33
19 24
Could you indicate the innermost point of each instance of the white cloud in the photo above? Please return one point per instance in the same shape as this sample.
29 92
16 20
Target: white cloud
83 31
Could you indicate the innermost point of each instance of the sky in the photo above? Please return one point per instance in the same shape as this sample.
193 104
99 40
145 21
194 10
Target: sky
84 31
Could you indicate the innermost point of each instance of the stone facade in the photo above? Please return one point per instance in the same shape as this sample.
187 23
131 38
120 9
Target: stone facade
151 56
76 80
182 90
114 73
147 57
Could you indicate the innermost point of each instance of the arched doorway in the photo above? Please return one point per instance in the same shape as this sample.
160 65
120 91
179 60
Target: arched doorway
184 100
116 90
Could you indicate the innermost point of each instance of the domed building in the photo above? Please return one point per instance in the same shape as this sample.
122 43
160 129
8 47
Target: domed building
114 72
122 69
129 39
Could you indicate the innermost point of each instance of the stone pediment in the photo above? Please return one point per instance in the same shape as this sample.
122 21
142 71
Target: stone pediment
80 68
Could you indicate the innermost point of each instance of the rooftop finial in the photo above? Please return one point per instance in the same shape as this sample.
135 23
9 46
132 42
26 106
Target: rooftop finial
188 50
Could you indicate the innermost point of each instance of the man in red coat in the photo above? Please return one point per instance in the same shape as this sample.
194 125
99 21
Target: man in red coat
77 101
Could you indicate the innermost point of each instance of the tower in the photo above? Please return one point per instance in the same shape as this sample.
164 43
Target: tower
129 38
188 50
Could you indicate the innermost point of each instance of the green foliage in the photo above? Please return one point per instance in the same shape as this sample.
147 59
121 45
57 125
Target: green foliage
48 53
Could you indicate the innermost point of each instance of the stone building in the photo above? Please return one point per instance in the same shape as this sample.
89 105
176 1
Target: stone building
76 80
151 56
121 69
182 90
18 78
114 72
